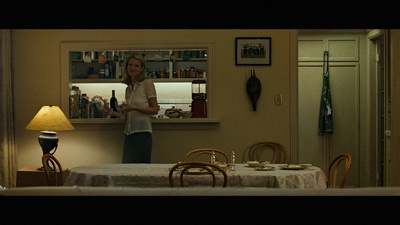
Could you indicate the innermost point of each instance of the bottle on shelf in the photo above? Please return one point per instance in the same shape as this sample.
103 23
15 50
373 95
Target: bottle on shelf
74 102
106 71
101 73
112 75
114 103
84 106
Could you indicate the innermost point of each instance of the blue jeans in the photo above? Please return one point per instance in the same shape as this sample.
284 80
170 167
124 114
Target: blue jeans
137 148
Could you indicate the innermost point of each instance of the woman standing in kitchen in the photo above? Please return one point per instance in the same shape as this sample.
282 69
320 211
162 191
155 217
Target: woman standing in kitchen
141 103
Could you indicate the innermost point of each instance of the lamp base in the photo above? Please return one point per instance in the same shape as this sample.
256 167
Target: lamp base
48 168
48 140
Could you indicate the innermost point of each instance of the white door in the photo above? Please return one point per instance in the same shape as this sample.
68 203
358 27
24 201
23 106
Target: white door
344 68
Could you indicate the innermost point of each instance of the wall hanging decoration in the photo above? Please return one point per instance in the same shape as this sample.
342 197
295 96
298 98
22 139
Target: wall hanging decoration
253 87
325 123
253 51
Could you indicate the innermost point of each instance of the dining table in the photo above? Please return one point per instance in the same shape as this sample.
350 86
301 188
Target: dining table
157 175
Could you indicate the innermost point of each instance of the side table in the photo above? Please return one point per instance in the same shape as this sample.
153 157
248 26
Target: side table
30 176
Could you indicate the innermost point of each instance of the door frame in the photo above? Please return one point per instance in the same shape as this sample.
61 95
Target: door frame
379 174
293 96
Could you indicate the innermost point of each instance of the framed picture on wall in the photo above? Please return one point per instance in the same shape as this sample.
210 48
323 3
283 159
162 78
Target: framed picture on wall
253 51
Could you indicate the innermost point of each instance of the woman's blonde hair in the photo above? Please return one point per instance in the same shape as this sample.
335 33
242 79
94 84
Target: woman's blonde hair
127 79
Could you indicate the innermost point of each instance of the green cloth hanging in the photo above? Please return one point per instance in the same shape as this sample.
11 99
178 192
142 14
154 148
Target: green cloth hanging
325 112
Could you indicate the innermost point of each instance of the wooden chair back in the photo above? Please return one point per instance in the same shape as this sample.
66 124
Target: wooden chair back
195 153
45 161
278 150
194 164
338 160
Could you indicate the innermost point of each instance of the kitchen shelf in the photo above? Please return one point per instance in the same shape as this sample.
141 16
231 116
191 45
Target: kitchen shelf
184 120
87 81
153 120
83 81
147 60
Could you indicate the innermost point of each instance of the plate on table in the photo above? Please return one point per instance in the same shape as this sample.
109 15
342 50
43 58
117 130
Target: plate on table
264 168
196 171
257 163
223 165
293 167
306 165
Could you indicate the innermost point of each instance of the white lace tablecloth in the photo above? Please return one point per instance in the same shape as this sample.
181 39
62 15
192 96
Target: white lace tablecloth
156 175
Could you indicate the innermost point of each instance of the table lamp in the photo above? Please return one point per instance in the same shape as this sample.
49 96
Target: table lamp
48 120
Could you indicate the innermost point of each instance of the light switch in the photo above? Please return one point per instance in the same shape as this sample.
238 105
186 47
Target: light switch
278 99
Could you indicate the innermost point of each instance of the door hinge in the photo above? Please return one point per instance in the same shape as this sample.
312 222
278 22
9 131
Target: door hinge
377 58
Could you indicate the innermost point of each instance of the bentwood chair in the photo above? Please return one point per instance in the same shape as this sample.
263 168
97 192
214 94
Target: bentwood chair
279 152
338 160
209 167
195 153
45 161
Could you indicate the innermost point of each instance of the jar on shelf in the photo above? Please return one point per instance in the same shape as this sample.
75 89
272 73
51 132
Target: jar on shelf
84 106
74 101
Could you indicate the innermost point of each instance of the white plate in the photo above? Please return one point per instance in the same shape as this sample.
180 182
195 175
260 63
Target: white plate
196 171
292 167
306 165
223 166
264 168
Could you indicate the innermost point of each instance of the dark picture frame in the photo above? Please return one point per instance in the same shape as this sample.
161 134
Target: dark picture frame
253 51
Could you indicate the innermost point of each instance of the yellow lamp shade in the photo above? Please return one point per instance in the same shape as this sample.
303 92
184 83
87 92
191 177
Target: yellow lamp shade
50 118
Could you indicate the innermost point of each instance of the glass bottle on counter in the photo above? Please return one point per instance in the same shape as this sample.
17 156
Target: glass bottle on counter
84 106
97 103
114 103
213 161
74 102
233 160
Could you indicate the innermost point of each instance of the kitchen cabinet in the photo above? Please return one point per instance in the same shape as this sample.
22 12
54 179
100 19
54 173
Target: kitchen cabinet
97 68
174 64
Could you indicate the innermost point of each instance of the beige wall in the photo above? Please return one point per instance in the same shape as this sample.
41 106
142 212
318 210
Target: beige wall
36 68
395 111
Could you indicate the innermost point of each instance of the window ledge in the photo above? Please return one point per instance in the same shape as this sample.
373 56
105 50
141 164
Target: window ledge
184 120
153 121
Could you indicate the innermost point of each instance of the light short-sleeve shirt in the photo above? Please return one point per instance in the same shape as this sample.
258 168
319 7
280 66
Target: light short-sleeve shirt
139 96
